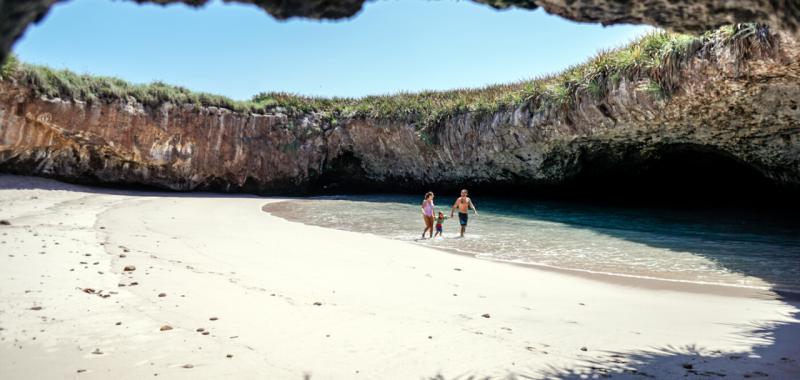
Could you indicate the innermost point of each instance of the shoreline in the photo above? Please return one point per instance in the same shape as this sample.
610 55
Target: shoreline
220 288
643 282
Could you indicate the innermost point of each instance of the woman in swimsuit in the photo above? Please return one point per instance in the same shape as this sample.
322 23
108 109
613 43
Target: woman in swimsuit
427 214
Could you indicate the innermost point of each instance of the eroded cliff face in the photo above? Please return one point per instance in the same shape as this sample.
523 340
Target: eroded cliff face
738 110
176 147
693 16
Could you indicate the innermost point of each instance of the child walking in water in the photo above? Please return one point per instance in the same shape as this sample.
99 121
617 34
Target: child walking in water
439 221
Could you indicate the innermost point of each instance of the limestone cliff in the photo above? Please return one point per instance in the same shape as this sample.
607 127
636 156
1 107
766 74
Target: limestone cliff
734 101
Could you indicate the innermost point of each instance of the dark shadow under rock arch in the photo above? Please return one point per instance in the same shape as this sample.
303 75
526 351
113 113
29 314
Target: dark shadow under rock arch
681 173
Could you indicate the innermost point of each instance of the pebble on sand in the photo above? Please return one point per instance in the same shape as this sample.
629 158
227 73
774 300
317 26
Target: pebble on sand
166 328
129 268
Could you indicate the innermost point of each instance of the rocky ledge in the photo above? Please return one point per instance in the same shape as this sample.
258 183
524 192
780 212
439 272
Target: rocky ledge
718 107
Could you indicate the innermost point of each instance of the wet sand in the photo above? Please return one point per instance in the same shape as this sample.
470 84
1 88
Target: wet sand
216 288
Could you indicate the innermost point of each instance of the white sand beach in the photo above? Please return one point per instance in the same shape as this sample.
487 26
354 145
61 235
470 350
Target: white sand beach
282 300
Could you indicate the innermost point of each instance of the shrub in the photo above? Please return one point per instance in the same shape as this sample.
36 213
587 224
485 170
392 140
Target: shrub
654 89
9 67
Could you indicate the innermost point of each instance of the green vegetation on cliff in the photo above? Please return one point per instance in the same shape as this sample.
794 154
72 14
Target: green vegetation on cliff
9 67
653 62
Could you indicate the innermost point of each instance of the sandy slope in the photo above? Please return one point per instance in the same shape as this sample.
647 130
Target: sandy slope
293 301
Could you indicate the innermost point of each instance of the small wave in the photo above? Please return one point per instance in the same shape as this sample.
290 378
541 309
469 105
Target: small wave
631 249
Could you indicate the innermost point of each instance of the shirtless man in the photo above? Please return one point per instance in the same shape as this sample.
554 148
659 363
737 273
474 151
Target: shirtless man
463 203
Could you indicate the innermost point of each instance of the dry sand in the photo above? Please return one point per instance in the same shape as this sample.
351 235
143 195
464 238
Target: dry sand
288 301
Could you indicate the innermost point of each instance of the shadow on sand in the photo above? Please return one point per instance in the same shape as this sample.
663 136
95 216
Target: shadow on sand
775 355
16 182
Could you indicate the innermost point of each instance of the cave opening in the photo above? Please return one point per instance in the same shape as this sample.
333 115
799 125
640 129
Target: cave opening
675 175
343 174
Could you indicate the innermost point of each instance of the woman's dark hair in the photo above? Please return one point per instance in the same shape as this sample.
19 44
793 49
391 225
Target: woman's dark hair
428 194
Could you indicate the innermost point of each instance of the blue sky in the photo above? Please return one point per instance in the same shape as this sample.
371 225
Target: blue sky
239 50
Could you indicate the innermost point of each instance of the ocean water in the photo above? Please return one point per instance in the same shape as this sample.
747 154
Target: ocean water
715 247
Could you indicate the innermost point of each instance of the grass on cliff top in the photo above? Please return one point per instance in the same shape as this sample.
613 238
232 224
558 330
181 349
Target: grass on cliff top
654 60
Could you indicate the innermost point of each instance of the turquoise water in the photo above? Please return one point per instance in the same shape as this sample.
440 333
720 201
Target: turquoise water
725 248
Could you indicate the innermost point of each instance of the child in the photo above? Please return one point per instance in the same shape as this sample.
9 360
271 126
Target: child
439 221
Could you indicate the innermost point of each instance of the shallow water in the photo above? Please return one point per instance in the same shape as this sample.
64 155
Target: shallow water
725 248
